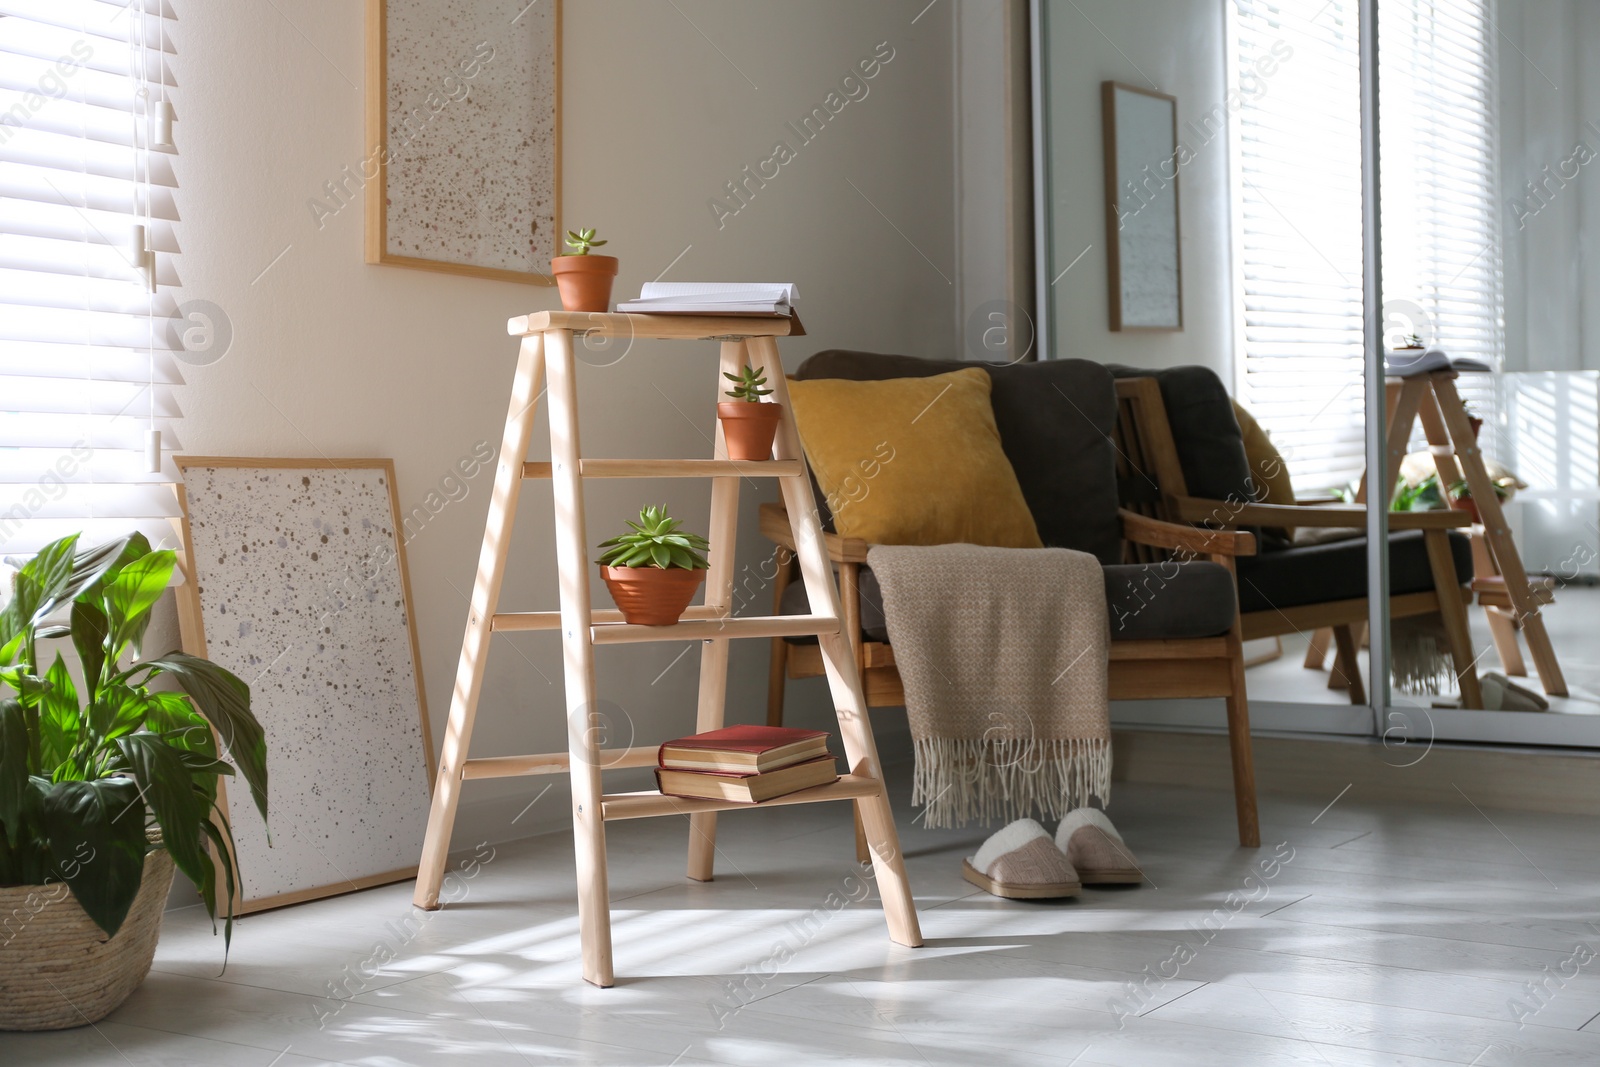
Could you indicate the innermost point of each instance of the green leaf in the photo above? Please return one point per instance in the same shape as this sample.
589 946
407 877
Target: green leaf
97 842
660 555
130 597
224 700
14 747
89 631
37 589
60 720
222 848
95 568
168 787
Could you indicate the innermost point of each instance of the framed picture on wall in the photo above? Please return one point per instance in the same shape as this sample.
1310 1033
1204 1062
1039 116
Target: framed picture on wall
1143 258
463 136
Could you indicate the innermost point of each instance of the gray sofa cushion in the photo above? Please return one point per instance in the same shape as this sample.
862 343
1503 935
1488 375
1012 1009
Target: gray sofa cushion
1055 420
1321 574
1143 601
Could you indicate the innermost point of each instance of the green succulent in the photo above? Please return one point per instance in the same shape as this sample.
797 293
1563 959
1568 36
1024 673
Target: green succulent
580 241
748 384
656 541
1502 488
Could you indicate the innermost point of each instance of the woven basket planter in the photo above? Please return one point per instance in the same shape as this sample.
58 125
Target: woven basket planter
58 969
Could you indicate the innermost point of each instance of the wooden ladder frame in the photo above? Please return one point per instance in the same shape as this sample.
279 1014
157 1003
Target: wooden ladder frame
1514 604
547 352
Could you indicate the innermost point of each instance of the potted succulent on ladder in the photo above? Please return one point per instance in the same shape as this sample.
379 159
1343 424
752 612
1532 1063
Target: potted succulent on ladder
748 425
584 279
106 783
654 570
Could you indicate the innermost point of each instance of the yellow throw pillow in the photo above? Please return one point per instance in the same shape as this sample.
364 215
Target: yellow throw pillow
1267 470
913 461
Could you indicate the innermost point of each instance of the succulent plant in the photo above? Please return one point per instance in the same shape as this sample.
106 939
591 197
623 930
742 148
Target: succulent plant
749 384
580 241
656 541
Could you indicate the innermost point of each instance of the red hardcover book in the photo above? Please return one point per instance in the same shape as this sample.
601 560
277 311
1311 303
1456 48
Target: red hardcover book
743 749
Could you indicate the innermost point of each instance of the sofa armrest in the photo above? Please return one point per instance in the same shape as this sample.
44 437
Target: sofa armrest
1143 530
1347 516
775 527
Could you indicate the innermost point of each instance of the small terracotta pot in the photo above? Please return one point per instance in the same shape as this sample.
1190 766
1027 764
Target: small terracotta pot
585 281
1468 505
1476 424
652 596
749 428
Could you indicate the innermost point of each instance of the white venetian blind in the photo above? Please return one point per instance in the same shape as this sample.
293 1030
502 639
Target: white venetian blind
1438 127
87 271
1297 141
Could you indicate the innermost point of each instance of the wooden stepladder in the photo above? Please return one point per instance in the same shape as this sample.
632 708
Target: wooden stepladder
548 345
1511 600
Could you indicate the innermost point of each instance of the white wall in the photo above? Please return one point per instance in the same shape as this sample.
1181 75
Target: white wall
332 357
1176 47
1550 95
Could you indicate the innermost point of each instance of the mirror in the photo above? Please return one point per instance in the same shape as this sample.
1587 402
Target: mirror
1141 150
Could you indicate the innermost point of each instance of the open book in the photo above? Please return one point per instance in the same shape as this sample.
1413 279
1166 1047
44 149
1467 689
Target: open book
1411 362
713 298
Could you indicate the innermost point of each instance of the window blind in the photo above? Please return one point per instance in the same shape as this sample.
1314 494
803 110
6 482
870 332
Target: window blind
1298 253
1439 129
88 245
1298 211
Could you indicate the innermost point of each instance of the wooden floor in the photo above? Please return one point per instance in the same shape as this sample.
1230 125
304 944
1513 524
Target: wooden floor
1378 936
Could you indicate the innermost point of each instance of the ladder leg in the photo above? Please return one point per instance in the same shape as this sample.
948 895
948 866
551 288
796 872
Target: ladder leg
723 535
485 599
572 558
839 659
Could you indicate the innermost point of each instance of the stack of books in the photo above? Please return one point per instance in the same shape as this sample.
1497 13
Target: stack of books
746 764
713 298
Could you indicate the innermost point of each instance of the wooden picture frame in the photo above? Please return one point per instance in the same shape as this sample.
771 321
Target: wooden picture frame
500 230
285 710
1144 251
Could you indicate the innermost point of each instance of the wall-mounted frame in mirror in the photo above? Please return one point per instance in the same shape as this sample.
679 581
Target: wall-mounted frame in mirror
1143 259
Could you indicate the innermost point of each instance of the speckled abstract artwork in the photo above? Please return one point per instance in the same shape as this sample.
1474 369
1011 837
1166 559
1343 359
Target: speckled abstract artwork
302 596
472 132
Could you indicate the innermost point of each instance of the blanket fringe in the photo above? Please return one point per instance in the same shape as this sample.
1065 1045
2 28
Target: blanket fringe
960 780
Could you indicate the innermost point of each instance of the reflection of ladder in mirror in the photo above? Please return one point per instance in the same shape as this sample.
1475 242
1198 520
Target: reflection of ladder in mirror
548 350
1511 600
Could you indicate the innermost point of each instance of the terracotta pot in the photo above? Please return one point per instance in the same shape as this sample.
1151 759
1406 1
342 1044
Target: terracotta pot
1468 505
58 969
749 428
1477 425
652 596
585 281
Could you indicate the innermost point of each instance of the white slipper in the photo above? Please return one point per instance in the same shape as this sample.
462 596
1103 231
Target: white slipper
1502 694
1021 862
1095 849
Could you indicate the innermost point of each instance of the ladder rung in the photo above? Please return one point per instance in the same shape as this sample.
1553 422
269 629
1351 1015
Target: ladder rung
672 468
511 621
556 762
650 804
707 629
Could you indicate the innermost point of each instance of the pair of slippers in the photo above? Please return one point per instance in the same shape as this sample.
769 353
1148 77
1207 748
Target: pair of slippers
1023 862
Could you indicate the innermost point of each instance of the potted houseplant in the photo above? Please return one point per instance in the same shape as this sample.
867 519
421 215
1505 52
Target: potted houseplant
748 425
1461 496
584 279
654 570
107 781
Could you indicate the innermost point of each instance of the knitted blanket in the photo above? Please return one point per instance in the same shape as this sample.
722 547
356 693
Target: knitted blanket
1002 652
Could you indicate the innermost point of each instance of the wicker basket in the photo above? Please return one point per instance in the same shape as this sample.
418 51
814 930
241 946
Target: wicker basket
58 969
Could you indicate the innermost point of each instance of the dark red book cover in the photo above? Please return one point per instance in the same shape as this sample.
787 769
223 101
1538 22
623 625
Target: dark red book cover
752 739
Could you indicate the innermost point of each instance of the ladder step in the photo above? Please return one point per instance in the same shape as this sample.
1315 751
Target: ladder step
650 804
707 629
672 468
512 621
556 762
